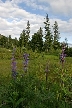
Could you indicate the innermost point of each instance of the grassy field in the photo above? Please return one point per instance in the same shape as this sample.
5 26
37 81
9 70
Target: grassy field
31 90
36 64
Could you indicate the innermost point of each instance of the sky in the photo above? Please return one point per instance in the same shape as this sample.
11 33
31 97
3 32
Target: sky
14 15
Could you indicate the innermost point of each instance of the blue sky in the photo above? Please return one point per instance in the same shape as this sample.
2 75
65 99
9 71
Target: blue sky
14 15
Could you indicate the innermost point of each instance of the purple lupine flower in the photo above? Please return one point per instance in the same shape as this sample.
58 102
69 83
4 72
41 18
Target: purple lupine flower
62 55
26 60
13 64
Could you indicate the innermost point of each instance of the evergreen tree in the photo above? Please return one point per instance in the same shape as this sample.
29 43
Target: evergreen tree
56 36
34 41
15 42
27 33
40 39
3 41
48 35
22 40
9 42
37 41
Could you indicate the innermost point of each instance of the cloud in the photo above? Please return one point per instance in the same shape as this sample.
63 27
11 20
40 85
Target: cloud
13 18
32 3
63 7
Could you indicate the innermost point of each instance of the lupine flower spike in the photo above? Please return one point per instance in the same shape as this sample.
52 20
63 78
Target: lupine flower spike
26 60
62 55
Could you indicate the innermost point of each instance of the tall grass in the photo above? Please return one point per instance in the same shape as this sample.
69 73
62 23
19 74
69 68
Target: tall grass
30 90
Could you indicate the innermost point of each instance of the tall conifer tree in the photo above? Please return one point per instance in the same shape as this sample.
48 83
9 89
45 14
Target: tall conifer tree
28 31
48 35
37 41
56 36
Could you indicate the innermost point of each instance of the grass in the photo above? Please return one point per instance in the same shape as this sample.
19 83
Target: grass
32 90
38 65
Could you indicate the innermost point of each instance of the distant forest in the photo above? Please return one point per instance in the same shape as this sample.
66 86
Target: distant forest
39 42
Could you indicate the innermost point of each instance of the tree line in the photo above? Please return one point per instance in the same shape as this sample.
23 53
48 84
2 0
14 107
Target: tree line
40 41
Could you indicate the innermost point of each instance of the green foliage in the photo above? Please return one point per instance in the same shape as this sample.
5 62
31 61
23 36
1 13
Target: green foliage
48 35
22 39
69 52
28 31
37 41
5 53
56 37
8 42
31 89
3 41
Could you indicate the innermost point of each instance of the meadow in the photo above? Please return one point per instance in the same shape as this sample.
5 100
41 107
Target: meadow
46 84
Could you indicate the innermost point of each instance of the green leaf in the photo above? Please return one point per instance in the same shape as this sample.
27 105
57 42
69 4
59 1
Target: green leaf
19 101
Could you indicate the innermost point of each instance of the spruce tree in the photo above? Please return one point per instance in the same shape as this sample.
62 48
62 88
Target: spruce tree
56 36
37 41
34 41
27 33
9 42
48 35
40 39
24 37
22 40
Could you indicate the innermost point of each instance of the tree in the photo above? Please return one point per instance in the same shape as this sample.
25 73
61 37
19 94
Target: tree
15 42
40 39
34 41
56 36
22 40
37 41
69 53
27 33
48 35
3 41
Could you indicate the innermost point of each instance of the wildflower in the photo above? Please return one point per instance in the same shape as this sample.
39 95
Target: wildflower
62 55
26 60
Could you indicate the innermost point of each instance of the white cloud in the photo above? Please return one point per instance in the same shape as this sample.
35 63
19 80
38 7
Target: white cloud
63 7
13 19
32 3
